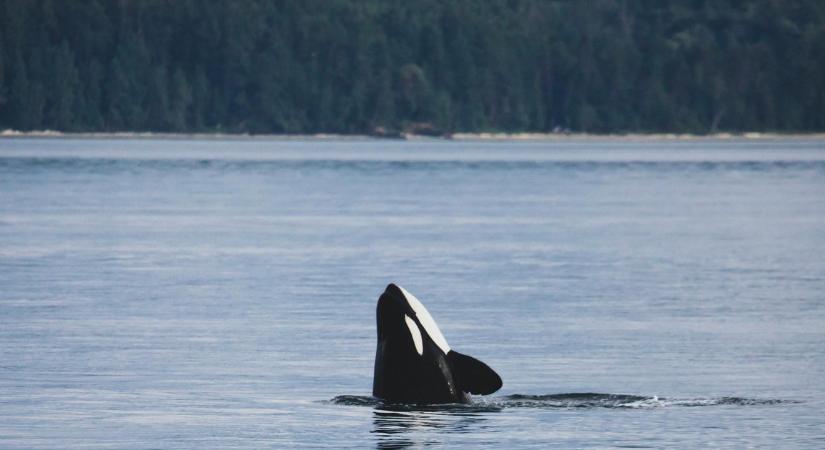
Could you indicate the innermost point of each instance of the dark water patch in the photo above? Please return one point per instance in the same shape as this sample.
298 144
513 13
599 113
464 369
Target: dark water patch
355 400
116 165
585 400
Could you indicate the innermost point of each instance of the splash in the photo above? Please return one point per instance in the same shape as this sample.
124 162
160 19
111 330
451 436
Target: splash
565 401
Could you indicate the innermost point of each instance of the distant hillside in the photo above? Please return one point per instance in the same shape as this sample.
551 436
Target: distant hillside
431 66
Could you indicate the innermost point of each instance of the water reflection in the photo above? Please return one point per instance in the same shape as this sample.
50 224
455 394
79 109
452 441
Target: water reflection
404 426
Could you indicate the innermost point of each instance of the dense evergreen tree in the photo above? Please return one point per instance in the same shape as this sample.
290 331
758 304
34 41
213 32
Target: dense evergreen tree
355 66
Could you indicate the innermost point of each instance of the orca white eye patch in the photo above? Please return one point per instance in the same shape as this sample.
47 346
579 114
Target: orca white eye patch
415 333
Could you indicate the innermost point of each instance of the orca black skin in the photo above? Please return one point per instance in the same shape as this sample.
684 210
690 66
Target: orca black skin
414 363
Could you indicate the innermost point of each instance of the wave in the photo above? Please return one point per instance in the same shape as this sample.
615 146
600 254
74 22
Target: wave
565 401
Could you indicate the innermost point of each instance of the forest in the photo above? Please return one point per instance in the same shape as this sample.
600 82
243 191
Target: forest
429 66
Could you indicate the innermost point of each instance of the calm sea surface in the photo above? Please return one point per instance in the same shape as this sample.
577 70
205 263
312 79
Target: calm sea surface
221 294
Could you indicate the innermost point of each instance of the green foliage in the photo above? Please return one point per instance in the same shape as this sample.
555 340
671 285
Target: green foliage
354 66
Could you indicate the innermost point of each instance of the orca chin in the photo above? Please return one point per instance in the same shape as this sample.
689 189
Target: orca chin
414 363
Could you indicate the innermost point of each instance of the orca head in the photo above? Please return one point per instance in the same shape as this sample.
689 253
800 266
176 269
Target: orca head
403 319
414 363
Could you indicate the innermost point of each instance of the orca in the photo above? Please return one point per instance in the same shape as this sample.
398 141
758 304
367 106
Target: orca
414 363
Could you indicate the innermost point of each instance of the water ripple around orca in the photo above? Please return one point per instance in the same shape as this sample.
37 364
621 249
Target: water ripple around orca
565 401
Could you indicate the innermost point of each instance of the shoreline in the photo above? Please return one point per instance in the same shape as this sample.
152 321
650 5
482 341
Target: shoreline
463 137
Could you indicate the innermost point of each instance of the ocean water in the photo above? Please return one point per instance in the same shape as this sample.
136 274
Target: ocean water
221 294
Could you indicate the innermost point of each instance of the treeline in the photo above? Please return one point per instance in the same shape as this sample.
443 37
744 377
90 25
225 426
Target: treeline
355 66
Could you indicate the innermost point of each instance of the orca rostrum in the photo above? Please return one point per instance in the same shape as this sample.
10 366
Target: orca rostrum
414 363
